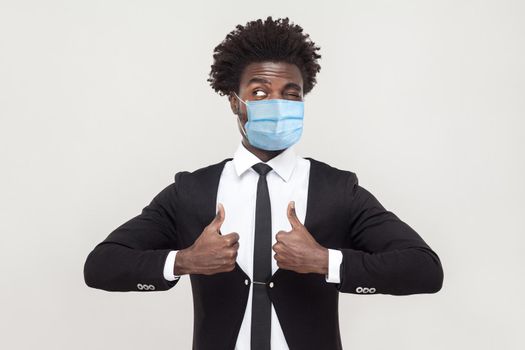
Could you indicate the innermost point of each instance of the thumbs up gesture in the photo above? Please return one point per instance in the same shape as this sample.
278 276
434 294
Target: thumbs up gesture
211 252
297 250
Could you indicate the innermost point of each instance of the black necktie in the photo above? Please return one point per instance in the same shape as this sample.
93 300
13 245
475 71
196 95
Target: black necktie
262 263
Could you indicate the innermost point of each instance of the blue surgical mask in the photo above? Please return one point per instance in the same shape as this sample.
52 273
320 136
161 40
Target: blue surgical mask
273 124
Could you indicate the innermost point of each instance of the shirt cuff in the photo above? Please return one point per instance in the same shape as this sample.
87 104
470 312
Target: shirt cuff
168 266
335 258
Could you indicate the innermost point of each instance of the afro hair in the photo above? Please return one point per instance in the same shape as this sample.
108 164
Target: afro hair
257 41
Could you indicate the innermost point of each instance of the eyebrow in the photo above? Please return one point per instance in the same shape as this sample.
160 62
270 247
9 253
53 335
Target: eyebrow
266 81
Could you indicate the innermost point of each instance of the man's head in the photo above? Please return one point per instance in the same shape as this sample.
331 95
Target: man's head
271 59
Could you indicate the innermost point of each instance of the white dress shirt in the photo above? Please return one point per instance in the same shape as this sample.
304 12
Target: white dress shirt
237 191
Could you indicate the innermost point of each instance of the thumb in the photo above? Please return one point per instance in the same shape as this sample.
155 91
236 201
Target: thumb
292 216
217 221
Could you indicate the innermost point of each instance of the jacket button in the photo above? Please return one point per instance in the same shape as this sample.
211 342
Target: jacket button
271 284
246 282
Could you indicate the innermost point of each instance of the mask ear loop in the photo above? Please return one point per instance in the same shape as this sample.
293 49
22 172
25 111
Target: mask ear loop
240 99
239 119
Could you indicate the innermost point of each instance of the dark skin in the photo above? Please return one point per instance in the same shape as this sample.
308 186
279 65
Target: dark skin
295 250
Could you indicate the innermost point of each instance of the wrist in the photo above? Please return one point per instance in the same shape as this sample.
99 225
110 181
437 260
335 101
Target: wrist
182 266
322 261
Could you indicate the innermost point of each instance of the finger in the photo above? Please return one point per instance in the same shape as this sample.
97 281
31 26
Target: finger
280 235
231 238
217 221
292 216
231 253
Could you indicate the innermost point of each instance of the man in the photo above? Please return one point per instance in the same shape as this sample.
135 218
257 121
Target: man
268 238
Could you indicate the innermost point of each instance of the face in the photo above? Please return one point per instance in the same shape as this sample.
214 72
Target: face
267 80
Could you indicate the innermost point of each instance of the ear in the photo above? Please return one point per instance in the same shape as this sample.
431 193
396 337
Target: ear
234 103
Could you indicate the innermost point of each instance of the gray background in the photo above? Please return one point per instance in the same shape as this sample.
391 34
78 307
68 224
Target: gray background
102 102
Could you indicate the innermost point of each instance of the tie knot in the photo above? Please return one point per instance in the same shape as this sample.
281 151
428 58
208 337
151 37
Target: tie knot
261 168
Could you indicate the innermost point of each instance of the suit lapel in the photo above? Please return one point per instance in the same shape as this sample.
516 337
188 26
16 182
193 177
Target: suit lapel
313 194
209 187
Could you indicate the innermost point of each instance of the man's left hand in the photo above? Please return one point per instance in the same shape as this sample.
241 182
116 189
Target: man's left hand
297 250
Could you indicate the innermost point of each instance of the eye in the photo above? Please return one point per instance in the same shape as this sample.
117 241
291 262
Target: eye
259 93
294 95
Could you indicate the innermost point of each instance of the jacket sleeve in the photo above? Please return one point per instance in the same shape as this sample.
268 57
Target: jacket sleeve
383 254
133 255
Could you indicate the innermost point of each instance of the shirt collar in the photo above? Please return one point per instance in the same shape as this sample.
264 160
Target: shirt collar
283 164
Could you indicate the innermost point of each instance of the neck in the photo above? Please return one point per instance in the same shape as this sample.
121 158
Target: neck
262 154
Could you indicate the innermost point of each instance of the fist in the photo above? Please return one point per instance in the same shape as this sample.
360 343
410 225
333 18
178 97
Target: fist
297 250
213 252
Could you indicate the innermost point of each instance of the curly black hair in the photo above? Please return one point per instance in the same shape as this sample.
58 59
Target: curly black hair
272 40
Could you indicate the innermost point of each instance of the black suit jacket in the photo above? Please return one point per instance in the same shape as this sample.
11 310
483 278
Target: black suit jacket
379 251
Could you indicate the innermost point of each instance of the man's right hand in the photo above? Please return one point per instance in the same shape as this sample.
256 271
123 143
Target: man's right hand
211 253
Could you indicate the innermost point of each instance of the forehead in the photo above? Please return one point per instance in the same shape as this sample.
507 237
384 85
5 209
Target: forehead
276 72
